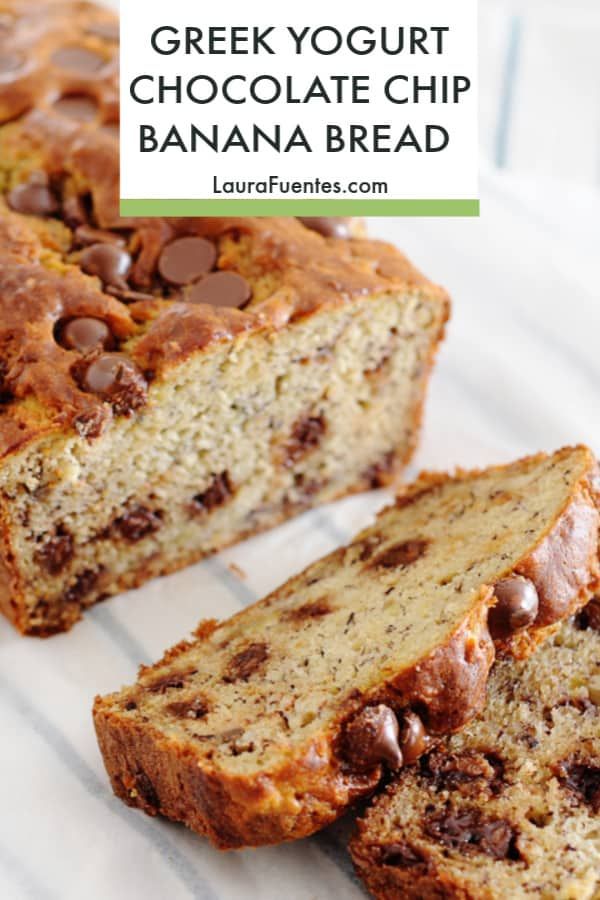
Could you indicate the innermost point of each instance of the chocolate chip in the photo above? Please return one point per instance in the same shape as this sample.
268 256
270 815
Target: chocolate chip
470 831
590 616
115 378
86 235
246 662
111 129
54 555
83 585
79 107
402 856
372 738
220 289
146 790
79 59
468 772
583 779
413 737
107 30
328 226
306 437
33 197
10 62
315 610
516 608
109 262
85 334
172 681
403 554
215 495
186 259
189 709
138 523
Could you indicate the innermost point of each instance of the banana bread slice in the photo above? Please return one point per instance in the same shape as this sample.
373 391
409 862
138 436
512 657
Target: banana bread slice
510 807
266 727
168 387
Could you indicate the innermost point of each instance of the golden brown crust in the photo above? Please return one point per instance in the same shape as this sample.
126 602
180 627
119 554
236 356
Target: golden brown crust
294 271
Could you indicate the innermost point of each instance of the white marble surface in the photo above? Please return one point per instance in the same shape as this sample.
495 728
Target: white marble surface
520 371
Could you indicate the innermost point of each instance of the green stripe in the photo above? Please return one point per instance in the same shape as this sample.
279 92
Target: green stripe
299 207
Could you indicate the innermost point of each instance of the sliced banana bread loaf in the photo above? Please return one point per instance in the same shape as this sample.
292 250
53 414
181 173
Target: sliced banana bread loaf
510 807
267 726
168 387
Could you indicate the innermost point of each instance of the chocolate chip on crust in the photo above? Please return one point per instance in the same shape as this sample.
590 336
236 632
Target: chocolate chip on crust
413 737
187 259
372 737
516 607
33 197
246 663
84 334
114 378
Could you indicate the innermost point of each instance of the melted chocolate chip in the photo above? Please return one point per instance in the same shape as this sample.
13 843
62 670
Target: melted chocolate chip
189 709
583 779
138 523
328 226
315 610
590 616
78 107
109 262
413 737
86 235
216 494
372 738
10 62
146 790
471 832
516 608
403 554
85 334
115 378
172 681
54 555
33 198
220 289
186 259
469 772
401 856
79 59
83 585
246 662
306 437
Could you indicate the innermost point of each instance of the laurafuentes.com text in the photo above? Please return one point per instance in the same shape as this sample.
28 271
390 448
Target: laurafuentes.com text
275 186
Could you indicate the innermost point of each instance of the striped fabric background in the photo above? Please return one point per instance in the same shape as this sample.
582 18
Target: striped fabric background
520 371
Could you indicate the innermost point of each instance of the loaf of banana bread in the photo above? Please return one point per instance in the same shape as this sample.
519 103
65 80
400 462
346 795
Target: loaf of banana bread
266 727
170 386
510 807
